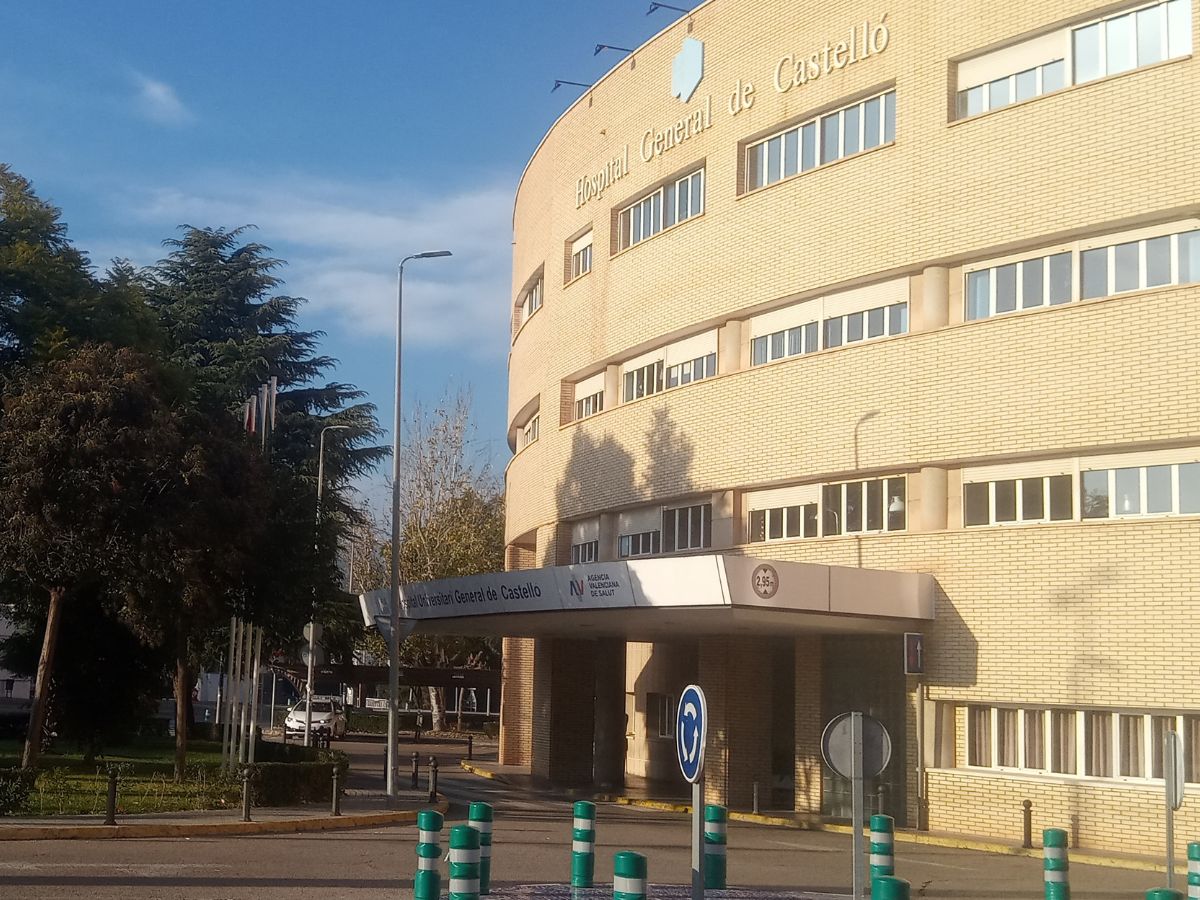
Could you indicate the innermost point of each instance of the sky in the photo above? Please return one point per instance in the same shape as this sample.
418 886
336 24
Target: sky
350 134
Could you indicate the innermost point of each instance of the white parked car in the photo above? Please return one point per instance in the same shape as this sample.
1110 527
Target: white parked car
328 719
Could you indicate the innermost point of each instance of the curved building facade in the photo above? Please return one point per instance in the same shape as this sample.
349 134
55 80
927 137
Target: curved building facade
902 289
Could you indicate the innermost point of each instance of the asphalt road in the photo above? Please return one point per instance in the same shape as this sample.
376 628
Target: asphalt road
532 838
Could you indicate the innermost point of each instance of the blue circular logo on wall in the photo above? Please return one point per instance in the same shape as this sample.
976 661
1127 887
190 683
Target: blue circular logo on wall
691 731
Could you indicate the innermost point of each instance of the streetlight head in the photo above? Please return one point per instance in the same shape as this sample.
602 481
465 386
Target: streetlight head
431 254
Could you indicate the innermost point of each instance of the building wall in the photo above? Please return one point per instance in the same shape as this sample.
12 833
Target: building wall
1077 614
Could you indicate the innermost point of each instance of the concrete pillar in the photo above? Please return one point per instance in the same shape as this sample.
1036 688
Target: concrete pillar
724 521
931 307
608 763
608 537
735 674
612 386
934 497
563 711
516 698
809 724
729 348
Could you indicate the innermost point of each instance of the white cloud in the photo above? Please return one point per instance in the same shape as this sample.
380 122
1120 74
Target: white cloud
158 102
342 242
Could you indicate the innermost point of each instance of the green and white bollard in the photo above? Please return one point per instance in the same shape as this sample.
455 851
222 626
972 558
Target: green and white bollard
883 843
427 882
479 817
715 818
464 863
889 887
1163 894
1194 871
583 845
629 876
1055 865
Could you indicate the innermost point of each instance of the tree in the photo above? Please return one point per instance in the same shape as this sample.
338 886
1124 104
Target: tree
453 525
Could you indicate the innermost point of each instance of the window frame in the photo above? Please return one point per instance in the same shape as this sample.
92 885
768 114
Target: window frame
589 549
651 209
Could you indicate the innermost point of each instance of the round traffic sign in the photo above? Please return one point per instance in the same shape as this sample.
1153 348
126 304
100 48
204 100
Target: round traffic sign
691 732
838 750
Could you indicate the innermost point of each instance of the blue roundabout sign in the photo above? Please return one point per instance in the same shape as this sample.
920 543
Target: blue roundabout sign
691 732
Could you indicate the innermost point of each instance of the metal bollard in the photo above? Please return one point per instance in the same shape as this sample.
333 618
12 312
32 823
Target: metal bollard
1027 830
245 793
110 809
1163 894
470 746
583 844
427 882
629 876
754 802
336 803
1055 865
416 765
883 846
715 818
464 863
1193 878
889 887
433 769
479 817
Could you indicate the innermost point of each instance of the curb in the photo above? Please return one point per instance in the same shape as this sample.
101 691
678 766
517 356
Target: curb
482 773
908 837
197 829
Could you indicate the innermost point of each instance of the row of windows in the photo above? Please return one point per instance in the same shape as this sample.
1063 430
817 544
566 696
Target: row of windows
589 405
643 543
581 261
1088 743
844 132
644 381
585 552
529 433
1161 261
1119 43
882 321
531 300
669 205
851 507
692 370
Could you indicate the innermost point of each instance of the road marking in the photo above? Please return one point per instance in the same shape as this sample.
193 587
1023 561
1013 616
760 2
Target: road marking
131 868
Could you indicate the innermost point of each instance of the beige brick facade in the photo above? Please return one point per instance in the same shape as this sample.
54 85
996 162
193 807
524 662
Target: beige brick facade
1086 615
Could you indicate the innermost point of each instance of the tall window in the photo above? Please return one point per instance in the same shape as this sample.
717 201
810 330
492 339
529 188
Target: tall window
687 528
692 370
1045 498
644 381
844 132
586 552
853 507
1132 39
529 433
589 405
671 204
660 715
581 256
531 300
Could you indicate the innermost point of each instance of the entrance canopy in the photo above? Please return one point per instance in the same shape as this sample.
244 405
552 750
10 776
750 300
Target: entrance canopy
659 599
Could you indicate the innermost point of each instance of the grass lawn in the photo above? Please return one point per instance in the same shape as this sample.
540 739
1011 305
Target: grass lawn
66 785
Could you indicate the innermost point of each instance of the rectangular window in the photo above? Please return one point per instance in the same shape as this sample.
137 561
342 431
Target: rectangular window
643 543
1131 40
845 132
1011 88
979 736
687 528
1098 744
794 341
1040 281
660 715
1044 498
529 433
1062 742
587 552
782 522
693 370
531 300
581 256
1035 739
669 205
1007 748
864 506
1161 490
1133 746
644 381
590 405
882 321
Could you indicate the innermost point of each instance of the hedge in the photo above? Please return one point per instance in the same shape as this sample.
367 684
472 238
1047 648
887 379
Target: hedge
289 783
15 787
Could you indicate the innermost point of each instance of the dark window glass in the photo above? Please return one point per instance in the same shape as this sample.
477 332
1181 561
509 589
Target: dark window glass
628 386
668 531
874 506
1158 261
777 345
758 351
850 123
1027 84
696 527
829 138
1006 288
1129 492
1189 488
975 504
1006 500
854 327
670 206
795 521
999 93
1060 278
674 377
1032 499
1054 76
1189 257
854 511
706 529
774 161
1031 283
795 341
810 337
1125 273
979 294
1158 489
1095 494
1060 498
875 322
808 146
833 333
889 117
897 504
791 152
1095 273
710 365
831 503
697 199
871 123
898 318
775 523
810 519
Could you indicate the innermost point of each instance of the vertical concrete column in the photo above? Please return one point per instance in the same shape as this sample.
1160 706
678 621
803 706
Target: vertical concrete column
736 676
809 723
934 500
612 386
608 537
724 520
931 306
563 711
516 698
729 348
608 763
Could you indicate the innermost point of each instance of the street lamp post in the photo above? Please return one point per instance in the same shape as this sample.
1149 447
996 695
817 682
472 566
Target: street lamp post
312 624
394 617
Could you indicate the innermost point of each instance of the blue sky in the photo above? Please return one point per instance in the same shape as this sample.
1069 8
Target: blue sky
351 134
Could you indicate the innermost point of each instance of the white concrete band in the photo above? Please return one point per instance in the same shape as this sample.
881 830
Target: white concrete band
464 885
714 827
582 847
629 885
427 863
428 837
587 824
481 827
1055 853
464 855
1056 876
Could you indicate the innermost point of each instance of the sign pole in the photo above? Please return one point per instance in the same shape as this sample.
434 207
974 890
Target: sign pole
858 858
1170 793
698 838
